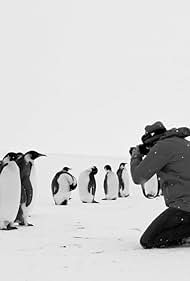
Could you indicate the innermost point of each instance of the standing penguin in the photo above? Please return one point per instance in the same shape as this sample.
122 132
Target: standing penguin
87 185
26 193
10 191
62 185
111 184
123 180
28 185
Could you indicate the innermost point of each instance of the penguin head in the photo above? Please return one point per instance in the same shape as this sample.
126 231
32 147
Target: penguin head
122 165
19 155
32 155
107 168
66 169
11 156
94 170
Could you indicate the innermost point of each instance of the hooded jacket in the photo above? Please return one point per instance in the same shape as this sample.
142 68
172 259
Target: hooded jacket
169 158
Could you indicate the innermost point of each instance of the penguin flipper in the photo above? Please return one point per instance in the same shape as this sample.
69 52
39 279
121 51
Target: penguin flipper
23 199
29 191
92 185
73 186
94 190
105 186
10 227
89 187
23 195
54 188
122 184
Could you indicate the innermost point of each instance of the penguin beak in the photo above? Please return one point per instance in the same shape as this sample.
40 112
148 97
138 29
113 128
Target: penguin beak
5 161
42 155
3 164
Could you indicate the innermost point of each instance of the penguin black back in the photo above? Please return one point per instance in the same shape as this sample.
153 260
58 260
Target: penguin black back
26 187
55 184
92 181
119 174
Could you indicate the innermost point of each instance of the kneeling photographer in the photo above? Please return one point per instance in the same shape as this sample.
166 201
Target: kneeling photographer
165 153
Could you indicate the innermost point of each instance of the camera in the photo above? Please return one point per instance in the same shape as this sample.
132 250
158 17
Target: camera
144 150
149 139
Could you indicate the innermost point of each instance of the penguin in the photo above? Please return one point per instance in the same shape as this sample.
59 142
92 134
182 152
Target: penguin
87 185
10 191
151 188
28 185
26 194
123 178
62 185
111 184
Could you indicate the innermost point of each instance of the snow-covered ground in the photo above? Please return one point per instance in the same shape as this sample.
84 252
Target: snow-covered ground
88 241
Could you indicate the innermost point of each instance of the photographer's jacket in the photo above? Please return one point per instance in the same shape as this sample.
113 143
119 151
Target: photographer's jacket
169 158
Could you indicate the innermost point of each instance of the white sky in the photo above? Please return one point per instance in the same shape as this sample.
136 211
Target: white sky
87 76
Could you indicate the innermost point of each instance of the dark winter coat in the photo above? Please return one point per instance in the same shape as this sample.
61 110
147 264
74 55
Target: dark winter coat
169 158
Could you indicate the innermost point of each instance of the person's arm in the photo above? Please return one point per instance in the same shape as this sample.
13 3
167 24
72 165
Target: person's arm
143 169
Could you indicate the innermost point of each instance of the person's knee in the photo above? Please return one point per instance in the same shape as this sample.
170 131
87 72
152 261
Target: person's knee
145 243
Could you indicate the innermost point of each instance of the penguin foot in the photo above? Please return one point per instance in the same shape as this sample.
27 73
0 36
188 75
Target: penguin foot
94 201
104 198
21 223
65 202
25 224
9 227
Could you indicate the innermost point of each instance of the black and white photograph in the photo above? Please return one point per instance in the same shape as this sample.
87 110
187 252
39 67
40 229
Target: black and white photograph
95 140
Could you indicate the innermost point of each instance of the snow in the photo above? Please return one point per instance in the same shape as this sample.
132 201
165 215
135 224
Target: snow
88 241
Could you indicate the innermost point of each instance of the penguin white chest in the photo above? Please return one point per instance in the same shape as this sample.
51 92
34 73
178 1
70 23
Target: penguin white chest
83 182
10 192
112 185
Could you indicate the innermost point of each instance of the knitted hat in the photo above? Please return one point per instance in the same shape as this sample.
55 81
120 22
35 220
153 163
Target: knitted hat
153 133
